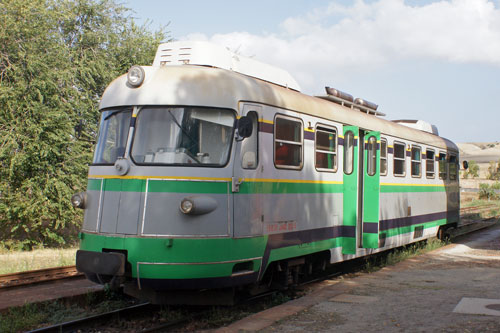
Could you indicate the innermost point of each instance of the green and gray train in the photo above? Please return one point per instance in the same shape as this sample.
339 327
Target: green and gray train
213 171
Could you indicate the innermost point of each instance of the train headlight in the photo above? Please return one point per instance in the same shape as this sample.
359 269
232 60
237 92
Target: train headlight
187 206
198 204
135 76
79 200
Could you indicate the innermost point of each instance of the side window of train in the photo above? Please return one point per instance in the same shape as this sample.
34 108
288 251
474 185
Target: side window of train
288 142
250 145
430 157
348 152
442 165
326 149
453 167
416 161
383 157
399 159
372 156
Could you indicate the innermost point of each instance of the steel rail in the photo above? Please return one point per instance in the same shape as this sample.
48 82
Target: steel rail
78 324
39 275
474 209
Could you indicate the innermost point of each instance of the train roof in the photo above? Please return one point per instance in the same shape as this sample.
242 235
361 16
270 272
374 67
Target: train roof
215 87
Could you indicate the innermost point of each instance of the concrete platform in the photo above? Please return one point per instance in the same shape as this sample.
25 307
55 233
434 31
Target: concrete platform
453 289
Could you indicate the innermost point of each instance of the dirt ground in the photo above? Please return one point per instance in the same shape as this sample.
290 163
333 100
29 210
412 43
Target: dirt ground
453 289
418 295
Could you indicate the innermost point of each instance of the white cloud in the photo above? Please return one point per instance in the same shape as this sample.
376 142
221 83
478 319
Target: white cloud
364 36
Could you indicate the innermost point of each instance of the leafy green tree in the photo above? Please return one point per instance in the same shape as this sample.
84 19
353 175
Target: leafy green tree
56 58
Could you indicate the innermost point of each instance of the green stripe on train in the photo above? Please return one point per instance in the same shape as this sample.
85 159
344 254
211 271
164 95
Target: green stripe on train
284 187
408 229
304 249
198 252
155 185
188 186
412 189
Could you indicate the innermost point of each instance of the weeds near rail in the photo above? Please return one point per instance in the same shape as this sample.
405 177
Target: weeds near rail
31 316
19 261
395 256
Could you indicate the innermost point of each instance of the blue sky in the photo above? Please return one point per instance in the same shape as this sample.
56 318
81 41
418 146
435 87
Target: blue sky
438 61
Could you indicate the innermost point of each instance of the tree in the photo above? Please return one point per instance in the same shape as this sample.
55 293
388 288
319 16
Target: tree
494 170
56 58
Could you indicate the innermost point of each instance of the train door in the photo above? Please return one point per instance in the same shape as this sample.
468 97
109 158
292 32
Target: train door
371 190
247 202
361 189
350 195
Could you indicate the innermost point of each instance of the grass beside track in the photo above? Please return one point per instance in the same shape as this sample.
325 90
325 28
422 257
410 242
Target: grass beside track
20 261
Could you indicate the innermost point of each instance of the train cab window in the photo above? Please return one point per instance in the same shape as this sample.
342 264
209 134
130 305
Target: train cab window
348 153
371 151
416 161
383 157
185 136
399 159
442 165
288 142
113 134
326 149
249 146
430 156
453 167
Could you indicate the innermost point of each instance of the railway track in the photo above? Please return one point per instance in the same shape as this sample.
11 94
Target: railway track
147 310
39 275
477 209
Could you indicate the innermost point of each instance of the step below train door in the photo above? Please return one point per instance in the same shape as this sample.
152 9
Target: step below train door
247 180
371 190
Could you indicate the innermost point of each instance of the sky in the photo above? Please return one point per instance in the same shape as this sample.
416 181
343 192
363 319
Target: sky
437 61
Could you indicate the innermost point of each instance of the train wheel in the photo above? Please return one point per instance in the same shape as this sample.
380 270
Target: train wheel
442 234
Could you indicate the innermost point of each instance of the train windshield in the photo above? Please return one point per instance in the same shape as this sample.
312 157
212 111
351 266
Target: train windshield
183 136
113 134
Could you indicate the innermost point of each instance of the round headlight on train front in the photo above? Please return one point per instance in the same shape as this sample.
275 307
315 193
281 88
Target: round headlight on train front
187 206
135 76
78 200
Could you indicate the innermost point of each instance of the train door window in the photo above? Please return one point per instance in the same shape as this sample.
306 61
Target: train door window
442 166
383 157
326 149
249 146
429 163
371 150
348 152
399 159
288 142
416 161
453 169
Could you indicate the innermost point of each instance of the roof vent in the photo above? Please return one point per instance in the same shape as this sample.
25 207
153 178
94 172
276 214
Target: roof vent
419 125
345 99
214 55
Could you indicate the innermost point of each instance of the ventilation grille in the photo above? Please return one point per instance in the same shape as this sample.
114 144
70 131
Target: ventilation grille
213 55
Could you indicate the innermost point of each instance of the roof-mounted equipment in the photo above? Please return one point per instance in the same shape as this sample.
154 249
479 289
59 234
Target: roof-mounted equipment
345 99
339 97
419 125
365 106
213 55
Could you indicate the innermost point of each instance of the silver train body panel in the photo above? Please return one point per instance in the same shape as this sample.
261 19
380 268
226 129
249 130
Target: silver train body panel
148 213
